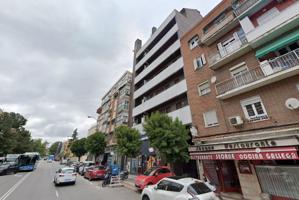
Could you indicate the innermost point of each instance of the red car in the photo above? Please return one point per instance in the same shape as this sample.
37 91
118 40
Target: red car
152 176
95 172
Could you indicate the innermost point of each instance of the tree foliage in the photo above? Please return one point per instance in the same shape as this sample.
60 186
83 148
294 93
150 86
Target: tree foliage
78 147
39 146
14 138
53 150
168 136
96 143
128 141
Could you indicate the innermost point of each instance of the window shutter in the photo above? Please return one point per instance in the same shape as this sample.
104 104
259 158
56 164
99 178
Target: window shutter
203 59
210 118
195 64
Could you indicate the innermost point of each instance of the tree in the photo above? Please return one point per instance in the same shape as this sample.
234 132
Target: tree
78 147
75 135
128 141
168 136
14 138
39 146
96 144
53 150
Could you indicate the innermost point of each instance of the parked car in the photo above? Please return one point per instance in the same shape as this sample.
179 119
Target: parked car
95 172
86 164
8 168
63 161
65 175
152 176
178 188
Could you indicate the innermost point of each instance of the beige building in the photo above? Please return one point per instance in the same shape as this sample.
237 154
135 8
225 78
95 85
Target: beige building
113 112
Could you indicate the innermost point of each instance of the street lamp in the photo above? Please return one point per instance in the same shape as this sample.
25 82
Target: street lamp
92 117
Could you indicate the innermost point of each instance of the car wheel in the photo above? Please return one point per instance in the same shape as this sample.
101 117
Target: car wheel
145 197
90 179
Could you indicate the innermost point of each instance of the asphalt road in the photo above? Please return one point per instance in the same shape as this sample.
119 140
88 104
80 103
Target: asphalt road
38 185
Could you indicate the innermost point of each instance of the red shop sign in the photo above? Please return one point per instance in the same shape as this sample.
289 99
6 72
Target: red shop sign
283 153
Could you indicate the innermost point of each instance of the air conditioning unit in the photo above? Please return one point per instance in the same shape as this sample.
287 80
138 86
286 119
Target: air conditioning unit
235 121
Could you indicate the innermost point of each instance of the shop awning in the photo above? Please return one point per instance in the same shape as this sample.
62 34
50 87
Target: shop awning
277 153
276 44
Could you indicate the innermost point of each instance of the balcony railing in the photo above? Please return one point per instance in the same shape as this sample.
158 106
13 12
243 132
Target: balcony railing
227 50
265 69
217 27
242 7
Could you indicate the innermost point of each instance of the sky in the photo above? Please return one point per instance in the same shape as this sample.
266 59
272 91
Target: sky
59 57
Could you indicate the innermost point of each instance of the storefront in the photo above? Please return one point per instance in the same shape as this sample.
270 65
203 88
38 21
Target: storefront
252 168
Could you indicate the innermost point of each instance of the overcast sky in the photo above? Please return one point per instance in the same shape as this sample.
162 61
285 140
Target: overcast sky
59 57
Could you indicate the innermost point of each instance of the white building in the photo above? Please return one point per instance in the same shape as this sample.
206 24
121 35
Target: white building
159 81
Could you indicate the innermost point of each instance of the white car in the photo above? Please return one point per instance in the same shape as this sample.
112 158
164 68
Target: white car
178 188
65 175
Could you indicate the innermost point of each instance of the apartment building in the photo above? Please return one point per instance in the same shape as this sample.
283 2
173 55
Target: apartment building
113 112
241 64
159 80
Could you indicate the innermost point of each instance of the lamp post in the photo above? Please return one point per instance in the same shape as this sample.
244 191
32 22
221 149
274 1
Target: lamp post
92 117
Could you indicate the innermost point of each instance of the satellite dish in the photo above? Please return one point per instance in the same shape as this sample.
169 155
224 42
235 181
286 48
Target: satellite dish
213 79
292 103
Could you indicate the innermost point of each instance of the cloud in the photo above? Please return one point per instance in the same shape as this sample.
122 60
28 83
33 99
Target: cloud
59 57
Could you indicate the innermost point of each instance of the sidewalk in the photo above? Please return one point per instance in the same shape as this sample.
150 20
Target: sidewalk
129 183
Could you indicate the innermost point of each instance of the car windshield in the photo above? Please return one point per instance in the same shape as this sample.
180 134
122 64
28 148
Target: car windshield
67 171
198 188
150 171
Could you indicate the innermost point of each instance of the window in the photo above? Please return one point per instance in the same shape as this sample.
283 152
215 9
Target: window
198 188
194 42
238 69
268 16
297 86
162 185
254 109
204 88
163 171
210 118
174 187
199 62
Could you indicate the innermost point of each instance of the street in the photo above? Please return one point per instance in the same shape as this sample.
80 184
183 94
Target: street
38 185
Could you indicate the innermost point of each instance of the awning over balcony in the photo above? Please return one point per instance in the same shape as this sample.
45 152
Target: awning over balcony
276 44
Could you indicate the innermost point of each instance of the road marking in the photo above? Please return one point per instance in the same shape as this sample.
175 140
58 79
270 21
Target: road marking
14 187
57 194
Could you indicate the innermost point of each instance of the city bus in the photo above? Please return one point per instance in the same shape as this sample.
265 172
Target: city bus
27 162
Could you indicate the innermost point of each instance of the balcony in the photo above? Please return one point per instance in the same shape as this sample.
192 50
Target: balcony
158 31
268 72
171 69
220 29
285 21
184 114
175 46
248 7
166 37
162 97
139 127
228 53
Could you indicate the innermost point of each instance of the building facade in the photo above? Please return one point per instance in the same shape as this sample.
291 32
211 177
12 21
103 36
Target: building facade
159 80
113 112
241 64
